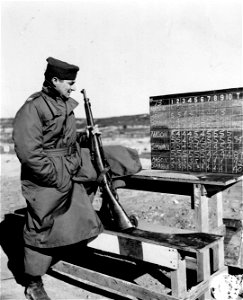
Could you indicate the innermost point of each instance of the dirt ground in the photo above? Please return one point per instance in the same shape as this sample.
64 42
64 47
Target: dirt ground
154 208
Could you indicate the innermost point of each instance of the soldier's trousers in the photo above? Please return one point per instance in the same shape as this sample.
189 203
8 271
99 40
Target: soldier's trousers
36 261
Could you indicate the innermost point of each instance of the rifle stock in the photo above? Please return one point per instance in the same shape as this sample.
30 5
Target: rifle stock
118 214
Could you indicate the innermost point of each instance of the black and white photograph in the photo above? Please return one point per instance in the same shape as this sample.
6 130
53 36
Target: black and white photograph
121 127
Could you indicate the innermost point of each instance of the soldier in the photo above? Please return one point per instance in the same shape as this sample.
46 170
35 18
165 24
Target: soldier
59 210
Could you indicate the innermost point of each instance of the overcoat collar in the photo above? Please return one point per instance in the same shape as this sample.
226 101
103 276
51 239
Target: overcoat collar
51 96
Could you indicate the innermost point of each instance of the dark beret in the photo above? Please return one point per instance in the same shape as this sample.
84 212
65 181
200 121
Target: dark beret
60 69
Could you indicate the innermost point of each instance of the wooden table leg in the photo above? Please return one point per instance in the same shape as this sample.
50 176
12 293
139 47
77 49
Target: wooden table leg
203 270
218 255
201 207
178 280
219 225
218 199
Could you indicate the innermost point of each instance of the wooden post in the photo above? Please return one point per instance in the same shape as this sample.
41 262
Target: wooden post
218 255
178 280
201 207
218 199
203 271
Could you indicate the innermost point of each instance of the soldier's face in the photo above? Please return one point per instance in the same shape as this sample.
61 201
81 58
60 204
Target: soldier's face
64 87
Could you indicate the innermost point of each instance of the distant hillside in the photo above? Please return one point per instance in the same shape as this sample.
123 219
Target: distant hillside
121 121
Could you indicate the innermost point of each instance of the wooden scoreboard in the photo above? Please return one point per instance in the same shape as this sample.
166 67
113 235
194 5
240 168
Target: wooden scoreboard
198 132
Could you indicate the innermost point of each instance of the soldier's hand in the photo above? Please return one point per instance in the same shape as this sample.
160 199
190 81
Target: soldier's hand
93 129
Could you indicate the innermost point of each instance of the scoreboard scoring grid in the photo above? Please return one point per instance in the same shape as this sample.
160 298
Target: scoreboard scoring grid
198 132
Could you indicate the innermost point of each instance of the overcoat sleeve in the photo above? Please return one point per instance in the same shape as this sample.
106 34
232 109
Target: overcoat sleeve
28 139
82 139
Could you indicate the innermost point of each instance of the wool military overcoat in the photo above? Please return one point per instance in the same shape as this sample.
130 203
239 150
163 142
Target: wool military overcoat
59 211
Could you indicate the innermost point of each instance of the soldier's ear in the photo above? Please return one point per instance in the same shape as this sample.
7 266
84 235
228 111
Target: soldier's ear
54 81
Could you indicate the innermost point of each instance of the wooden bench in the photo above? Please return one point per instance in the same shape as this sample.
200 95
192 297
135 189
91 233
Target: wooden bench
201 252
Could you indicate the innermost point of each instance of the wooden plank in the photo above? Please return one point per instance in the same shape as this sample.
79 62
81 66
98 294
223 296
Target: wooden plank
179 280
203 215
191 242
163 175
218 199
219 179
204 178
108 282
161 186
203 271
218 256
201 208
203 264
106 242
157 254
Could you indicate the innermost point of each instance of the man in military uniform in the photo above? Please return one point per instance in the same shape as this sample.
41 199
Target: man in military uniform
59 210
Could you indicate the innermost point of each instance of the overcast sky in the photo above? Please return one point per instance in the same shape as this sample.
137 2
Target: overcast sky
127 50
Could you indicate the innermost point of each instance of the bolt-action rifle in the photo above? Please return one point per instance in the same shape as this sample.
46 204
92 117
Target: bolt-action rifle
118 216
